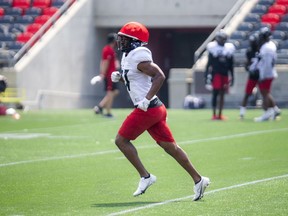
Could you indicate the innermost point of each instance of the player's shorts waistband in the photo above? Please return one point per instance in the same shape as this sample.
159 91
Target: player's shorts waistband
156 102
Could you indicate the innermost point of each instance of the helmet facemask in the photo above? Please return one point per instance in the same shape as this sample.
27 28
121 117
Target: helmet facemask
126 44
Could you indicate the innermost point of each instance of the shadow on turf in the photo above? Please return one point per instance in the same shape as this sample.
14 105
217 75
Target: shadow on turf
121 204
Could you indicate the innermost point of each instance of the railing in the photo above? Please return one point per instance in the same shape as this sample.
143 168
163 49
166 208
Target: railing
41 31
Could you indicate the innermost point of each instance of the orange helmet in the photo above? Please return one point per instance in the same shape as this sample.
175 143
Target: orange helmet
136 31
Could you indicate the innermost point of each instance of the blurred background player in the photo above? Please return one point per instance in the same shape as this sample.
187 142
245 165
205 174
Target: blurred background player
143 79
3 108
267 73
251 56
108 64
219 72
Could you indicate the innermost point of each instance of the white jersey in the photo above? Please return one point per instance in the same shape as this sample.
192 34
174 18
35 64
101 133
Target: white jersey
215 49
267 58
137 83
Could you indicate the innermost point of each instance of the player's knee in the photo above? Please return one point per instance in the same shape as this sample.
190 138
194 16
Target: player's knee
120 141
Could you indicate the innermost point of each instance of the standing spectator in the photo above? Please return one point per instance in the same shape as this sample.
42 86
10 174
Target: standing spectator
143 79
108 64
267 73
251 55
220 65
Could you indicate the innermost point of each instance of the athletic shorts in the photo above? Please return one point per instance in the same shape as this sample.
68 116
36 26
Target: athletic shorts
153 120
109 85
250 85
220 82
265 84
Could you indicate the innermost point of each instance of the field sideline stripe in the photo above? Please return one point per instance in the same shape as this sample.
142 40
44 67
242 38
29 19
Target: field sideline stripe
190 197
141 147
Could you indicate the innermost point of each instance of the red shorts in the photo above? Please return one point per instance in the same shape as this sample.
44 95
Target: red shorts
109 85
220 82
3 109
154 121
265 84
250 85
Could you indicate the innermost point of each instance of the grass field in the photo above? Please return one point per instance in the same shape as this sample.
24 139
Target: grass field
66 163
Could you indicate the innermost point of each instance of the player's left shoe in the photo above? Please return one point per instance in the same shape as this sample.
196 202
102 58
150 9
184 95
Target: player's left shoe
98 110
200 187
144 184
222 118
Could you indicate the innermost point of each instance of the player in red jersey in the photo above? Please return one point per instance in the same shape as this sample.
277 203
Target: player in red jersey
143 79
108 64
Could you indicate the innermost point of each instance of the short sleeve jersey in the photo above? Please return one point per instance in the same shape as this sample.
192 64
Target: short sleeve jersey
137 83
220 57
109 54
267 58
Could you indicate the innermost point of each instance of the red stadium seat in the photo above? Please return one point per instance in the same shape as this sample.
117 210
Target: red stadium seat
24 37
33 28
271 18
282 2
277 9
41 3
2 12
42 19
50 11
24 4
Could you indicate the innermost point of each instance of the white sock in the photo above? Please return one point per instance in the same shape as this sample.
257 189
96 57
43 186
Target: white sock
242 110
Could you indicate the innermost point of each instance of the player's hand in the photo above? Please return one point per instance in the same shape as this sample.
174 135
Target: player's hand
143 104
209 87
95 80
115 76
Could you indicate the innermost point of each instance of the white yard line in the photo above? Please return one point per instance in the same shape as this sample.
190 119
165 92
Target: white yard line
190 197
142 147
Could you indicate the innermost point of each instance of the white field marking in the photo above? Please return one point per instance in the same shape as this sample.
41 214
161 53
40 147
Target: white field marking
190 197
140 147
23 136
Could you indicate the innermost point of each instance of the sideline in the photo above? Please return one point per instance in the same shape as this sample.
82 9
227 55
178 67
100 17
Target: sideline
190 197
141 147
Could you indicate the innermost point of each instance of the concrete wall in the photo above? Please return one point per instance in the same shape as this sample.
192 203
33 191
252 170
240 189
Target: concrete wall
57 70
162 13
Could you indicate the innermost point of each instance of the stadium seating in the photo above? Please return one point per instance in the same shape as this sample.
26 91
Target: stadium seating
275 17
41 3
24 4
21 19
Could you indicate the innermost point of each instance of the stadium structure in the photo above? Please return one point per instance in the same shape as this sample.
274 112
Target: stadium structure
50 49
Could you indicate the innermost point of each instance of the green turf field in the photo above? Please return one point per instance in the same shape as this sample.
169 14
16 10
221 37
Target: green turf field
65 163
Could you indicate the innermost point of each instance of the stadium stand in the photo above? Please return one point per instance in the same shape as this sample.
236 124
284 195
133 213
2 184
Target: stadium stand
21 19
270 13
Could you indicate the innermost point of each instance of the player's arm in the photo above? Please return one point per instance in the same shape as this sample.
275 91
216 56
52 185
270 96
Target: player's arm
154 71
207 74
231 69
104 67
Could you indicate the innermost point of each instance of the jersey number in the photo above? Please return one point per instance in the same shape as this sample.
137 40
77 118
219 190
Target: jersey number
127 82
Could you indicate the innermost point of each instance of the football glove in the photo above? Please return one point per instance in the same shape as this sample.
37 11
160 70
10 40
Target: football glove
208 82
95 80
143 104
115 76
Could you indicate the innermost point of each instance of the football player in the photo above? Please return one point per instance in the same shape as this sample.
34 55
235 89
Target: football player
143 78
219 72
108 64
267 73
252 58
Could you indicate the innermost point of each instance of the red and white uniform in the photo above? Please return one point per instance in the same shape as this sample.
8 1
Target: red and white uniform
267 55
109 54
138 84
